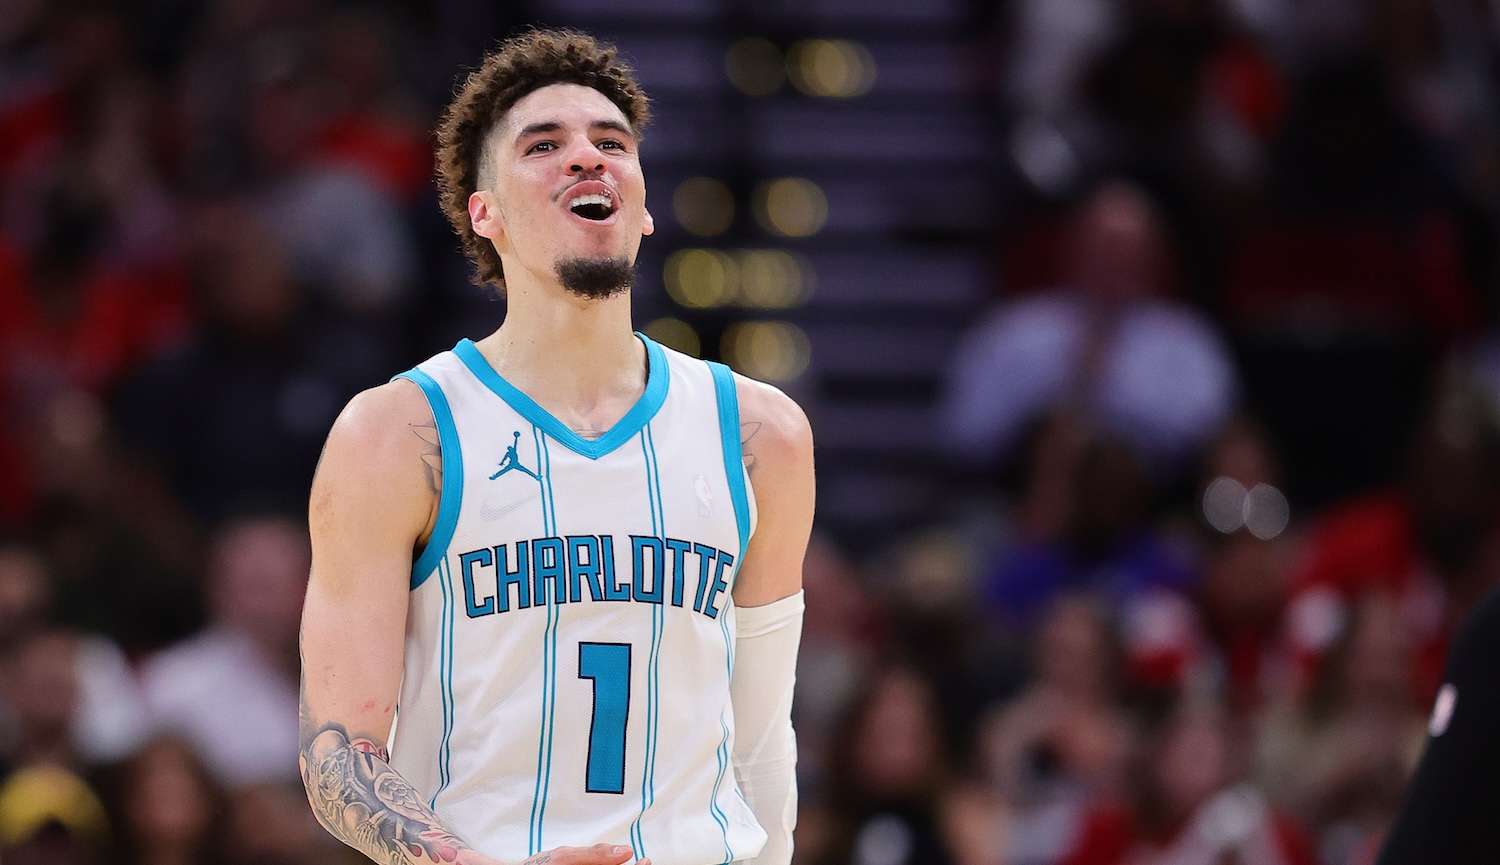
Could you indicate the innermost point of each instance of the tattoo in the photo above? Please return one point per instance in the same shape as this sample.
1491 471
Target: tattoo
363 802
432 457
538 859
748 430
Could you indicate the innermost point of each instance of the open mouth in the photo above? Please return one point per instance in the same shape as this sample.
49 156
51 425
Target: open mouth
593 206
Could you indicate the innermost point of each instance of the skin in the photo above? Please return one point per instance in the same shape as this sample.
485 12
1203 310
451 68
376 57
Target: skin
375 496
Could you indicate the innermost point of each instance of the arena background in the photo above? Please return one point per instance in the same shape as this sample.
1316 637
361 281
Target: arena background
1149 346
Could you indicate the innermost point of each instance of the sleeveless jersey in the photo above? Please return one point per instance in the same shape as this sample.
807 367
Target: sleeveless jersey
570 636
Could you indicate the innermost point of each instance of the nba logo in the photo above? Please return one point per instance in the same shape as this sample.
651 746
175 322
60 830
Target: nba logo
705 496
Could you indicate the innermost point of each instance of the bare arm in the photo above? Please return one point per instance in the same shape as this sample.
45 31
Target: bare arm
373 501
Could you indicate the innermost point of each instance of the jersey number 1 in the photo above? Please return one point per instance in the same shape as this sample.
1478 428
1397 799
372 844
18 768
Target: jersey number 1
608 664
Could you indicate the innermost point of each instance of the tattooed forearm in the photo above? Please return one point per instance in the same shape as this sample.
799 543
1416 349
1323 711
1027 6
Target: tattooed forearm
748 430
432 455
363 802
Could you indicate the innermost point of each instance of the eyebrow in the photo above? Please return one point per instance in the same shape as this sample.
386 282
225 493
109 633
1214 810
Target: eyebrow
546 126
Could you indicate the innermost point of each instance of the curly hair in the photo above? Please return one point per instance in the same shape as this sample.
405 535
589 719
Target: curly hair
518 66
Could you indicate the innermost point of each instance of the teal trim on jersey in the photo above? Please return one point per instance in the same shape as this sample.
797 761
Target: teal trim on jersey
734 457
657 378
549 658
659 622
734 473
713 804
453 477
723 751
445 674
653 657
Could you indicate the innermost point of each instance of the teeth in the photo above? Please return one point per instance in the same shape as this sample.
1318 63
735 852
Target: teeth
592 198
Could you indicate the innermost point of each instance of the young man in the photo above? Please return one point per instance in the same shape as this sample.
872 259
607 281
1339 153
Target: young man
570 556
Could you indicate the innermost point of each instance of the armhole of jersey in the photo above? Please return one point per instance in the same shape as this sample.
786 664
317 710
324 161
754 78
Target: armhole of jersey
453 477
734 458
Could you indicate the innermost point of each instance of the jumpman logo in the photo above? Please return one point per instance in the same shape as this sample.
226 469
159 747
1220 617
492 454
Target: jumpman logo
513 461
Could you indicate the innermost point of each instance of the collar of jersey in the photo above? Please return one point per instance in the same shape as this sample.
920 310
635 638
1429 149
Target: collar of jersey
623 431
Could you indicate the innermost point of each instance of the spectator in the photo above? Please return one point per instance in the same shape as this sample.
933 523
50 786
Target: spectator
1341 756
299 839
840 643
887 779
1107 346
231 691
168 810
1185 807
120 552
1242 599
1061 745
238 415
1107 547
376 124
942 629
70 701
50 816
25 595
1422 543
342 233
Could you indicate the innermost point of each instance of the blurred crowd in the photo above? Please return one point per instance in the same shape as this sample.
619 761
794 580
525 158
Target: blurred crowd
1223 452
1223 448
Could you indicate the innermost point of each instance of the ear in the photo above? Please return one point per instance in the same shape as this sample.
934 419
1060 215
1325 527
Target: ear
648 225
485 216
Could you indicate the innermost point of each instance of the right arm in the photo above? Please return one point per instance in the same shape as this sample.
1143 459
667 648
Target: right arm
374 501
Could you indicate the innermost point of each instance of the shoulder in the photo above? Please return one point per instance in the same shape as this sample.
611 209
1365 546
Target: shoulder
380 417
772 425
382 460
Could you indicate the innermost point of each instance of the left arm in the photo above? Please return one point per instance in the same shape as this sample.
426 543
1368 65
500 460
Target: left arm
778 450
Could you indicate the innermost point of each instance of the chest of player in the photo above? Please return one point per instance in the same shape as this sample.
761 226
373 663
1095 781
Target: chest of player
651 522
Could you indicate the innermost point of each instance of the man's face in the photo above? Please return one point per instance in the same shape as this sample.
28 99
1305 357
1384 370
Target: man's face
565 184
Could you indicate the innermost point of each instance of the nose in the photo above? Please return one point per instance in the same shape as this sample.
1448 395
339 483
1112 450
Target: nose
587 166
585 158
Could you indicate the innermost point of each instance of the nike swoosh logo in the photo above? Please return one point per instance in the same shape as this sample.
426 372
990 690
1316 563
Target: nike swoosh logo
489 514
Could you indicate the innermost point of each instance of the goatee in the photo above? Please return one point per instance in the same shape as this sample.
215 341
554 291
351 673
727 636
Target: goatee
596 278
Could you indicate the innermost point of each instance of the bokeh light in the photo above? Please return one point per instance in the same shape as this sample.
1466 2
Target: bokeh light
836 68
791 207
1224 504
775 351
675 333
754 66
704 206
773 278
1262 510
1266 511
701 278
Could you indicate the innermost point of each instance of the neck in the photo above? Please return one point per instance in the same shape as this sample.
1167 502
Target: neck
577 358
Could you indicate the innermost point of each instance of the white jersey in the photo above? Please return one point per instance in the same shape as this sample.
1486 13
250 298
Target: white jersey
570 636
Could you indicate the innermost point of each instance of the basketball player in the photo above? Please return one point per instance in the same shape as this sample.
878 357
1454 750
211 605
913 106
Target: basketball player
570 556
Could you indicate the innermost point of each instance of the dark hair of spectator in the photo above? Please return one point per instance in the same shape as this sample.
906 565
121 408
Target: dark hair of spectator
848 790
519 66
125 788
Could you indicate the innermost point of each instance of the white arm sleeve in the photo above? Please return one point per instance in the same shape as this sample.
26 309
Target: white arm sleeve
765 748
